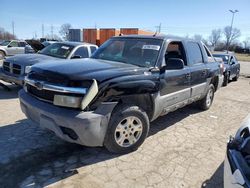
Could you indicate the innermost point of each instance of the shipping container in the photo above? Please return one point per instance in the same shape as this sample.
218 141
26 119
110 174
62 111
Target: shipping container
75 35
90 35
105 34
129 31
142 32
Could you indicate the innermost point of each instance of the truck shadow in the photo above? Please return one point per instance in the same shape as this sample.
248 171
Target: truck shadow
170 119
216 180
30 156
9 94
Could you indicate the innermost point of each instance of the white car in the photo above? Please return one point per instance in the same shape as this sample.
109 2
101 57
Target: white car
12 47
237 161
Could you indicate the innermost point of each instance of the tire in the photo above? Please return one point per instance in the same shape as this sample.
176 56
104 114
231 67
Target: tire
121 136
2 55
237 76
206 102
226 79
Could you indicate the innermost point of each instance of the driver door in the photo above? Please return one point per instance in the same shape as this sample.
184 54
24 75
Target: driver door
175 83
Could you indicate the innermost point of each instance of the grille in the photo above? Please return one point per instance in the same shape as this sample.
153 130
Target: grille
47 95
43 94
6 66
12 68
16 69
54 79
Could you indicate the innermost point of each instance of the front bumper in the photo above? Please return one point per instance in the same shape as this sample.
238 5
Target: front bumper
11 78
89 127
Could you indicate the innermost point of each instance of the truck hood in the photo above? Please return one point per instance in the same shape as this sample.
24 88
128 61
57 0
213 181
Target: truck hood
35 44
86 69
29 59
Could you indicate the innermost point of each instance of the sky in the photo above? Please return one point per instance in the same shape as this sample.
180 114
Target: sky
177 17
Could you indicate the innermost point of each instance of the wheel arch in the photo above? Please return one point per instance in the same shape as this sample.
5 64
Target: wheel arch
143 101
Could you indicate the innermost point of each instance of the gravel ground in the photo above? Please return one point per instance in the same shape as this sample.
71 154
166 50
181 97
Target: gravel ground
185 148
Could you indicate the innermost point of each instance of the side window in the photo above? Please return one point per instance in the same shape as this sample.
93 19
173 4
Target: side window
194 53
82 51
209 55
207 51
92 49
176 50
21 44
13 44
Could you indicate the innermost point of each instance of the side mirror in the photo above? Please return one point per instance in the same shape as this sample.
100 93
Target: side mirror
174 64
76 57
9 46
232 63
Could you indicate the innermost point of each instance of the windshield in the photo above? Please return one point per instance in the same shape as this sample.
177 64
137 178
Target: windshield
225 58
57 50
140 52
5 43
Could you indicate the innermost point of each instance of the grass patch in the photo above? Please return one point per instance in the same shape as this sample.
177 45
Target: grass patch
243 57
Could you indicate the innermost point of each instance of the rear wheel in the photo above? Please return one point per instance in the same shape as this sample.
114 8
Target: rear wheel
237 76
206 102
128 128
2 55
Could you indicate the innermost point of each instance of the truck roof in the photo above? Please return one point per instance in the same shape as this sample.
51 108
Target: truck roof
157 36
76 43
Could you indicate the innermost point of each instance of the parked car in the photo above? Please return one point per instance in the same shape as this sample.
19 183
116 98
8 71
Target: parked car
11 47
237 161
13 69
231 67
110 98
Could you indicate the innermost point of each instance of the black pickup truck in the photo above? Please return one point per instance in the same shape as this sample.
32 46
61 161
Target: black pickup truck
111 98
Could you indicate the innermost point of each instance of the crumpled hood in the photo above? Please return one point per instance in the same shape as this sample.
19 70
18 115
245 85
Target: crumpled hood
87 69
29 59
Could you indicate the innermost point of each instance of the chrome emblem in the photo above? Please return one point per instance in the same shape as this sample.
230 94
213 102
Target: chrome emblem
38 85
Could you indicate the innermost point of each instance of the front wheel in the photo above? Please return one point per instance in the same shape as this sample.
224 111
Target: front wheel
128 128
206 102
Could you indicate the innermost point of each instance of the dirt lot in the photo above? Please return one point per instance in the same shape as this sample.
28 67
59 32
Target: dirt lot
184 149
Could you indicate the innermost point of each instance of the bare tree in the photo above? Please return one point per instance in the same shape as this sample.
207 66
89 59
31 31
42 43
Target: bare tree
215 36
231 34
246 43
64 31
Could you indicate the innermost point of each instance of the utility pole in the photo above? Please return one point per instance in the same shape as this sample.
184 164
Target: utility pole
158 28
231 27
42 31
52 32
13 28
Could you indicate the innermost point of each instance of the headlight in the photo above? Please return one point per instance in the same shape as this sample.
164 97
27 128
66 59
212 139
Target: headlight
67 101
27 69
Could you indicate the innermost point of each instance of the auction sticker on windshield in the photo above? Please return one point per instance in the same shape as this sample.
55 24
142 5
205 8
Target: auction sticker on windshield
65 47
151 47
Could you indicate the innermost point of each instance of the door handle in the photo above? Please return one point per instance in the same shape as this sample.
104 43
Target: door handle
188 75
204 72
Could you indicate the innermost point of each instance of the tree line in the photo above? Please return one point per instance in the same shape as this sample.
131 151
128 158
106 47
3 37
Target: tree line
5 35
226 39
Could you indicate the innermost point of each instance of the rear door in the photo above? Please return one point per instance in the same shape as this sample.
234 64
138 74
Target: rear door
198 69
21 47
